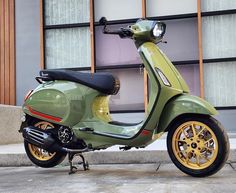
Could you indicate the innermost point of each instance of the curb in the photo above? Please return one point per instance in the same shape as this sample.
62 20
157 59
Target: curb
113 157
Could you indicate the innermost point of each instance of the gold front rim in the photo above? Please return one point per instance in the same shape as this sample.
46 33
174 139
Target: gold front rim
195 145
38 153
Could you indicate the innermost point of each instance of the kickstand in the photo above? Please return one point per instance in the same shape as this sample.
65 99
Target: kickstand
74 169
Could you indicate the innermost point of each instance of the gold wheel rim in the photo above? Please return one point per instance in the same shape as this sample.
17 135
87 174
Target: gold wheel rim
195 145
39 153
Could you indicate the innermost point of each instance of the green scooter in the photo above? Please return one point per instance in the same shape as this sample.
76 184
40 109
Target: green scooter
68 113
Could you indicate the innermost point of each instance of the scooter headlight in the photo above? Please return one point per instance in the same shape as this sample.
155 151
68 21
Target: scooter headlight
159 30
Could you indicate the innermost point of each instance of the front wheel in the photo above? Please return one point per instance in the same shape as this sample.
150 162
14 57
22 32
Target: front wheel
198 146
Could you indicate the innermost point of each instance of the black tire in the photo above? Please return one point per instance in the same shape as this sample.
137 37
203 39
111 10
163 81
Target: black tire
221 137
56 159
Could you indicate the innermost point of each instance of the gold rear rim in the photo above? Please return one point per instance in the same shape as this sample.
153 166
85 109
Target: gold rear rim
195 145
39 153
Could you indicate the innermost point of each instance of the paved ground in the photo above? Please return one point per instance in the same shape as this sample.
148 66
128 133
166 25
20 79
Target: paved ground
142 178
14 154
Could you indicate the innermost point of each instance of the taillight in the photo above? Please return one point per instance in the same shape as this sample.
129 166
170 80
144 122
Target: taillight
28 94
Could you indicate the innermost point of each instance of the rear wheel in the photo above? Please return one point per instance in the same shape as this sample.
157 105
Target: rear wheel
39 156
198 146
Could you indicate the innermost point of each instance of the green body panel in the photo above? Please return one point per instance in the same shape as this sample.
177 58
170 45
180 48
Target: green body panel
184 104
159 95
79 106
67 100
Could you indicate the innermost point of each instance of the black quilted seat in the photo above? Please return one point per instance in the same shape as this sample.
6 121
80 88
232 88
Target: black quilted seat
103 82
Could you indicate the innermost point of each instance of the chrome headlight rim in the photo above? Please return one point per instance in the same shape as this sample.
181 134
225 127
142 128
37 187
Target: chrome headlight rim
159 29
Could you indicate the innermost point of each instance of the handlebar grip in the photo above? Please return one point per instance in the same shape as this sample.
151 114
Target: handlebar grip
116 32
123 33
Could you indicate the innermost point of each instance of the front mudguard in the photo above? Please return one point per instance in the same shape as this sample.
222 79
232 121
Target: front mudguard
183 105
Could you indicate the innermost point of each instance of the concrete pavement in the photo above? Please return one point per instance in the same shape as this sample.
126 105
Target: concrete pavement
14 155
138 178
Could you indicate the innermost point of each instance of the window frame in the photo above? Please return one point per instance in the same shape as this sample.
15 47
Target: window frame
92 25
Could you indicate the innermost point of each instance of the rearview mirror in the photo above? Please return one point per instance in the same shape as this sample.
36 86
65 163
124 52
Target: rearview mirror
103 21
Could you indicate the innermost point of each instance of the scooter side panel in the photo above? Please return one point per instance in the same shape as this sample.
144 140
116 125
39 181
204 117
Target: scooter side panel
61 102
159 95
184 104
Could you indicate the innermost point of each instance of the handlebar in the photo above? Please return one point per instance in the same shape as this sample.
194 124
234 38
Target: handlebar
122 32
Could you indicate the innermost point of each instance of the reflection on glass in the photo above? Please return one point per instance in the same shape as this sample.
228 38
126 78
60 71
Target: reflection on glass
170 7
66 11
182 38
213 5
67 48
190 73
130 96
218 33
112 50
220 83
117 9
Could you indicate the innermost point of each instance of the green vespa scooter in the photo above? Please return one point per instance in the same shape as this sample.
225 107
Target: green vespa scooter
68 113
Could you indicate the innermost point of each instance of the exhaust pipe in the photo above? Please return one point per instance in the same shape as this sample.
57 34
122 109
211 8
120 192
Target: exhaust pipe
45 140
41 139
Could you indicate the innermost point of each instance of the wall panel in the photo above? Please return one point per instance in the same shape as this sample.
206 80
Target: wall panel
7 52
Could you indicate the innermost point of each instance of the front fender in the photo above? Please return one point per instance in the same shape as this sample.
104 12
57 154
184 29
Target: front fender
184 104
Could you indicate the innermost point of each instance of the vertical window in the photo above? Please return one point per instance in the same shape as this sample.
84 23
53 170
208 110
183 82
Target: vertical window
170 7
190 73
117 9
130 97
219 52
66 11
220 83
67 35
179 34
111 50
218 33
213 5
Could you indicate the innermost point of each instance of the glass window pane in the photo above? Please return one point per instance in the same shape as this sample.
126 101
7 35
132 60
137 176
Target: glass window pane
213 5
66 11
219 88
117 9
112 50
130 96
218 33
170 7
67 48
182 38
190 73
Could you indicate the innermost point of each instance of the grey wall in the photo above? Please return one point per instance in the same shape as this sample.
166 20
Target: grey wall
227 119
27 13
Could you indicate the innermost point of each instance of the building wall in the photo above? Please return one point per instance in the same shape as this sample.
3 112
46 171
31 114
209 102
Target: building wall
182 47
27 15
